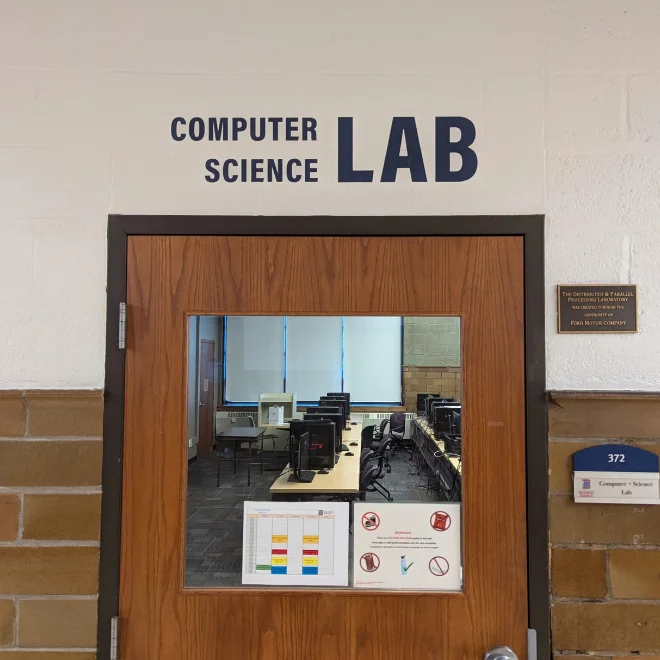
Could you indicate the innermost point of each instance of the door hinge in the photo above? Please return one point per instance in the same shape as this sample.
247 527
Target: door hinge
122 326
114 638
531 644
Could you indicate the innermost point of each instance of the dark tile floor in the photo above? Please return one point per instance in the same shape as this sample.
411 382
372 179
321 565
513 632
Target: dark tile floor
214 536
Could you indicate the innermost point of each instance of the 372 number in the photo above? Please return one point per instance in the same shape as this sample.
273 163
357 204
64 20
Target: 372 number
616 458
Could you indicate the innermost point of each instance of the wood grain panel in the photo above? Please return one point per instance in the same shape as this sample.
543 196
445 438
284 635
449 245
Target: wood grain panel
480 279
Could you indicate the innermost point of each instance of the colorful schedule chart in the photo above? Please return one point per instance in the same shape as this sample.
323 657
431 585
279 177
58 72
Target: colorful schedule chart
295 543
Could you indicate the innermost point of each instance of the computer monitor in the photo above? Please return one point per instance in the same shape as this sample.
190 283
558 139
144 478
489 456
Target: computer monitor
336 418
334 400
433 400
421 402
345 395
321 453
456 422
299 454
452 443
429 403
337 410
435 407
442 418
328 401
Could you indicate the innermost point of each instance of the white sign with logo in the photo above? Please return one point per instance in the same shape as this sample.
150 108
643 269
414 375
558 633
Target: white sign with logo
407 546
617 487
616 474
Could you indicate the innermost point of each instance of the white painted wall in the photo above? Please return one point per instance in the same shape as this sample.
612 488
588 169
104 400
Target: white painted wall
565 95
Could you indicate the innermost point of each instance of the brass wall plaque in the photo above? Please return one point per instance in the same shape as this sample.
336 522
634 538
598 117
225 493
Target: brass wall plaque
597 308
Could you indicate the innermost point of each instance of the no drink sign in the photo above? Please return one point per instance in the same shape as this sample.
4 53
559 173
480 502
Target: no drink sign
408 546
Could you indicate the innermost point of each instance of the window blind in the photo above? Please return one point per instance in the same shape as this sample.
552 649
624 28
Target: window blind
372 358
313 356
254 357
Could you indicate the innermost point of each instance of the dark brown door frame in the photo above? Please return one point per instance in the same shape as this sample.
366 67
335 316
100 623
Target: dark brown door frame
530 227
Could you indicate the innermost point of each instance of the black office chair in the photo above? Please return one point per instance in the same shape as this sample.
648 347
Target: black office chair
367 477
383 452
366 456
367 435
397 431
378 436
373 476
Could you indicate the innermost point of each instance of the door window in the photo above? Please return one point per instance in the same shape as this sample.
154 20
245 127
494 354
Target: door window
336 454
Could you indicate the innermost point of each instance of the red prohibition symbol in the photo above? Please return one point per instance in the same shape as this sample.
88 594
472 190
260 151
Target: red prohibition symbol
370 521
439 566
369 562
441 521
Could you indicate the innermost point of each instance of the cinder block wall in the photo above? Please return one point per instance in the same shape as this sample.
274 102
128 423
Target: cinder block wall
605 561
50 498
443 380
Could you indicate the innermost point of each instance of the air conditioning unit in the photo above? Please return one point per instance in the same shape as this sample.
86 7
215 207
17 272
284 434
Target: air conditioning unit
376 418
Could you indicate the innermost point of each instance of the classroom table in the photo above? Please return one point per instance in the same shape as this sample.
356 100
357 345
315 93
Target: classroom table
240 435
440 444
446 467
344 478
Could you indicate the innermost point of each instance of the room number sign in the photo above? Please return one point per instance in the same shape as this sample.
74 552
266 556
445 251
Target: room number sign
616 474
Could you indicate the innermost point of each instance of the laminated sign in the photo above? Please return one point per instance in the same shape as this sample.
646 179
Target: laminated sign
407 546
616 474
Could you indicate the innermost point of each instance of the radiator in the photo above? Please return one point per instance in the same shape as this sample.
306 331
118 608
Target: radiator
376 418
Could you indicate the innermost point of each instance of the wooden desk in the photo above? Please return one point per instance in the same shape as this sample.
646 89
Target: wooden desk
343 478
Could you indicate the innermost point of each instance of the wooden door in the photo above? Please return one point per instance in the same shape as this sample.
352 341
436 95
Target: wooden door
479 278
206 396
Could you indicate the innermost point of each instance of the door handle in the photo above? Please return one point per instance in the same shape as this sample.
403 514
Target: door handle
500 653
202 404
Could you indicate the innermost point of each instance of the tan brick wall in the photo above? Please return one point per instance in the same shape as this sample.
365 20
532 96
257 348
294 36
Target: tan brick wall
605 559
443 380
50 494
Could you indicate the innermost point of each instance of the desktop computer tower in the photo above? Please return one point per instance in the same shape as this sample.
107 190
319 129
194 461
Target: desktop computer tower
442 418
299 454
336 418
321 441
